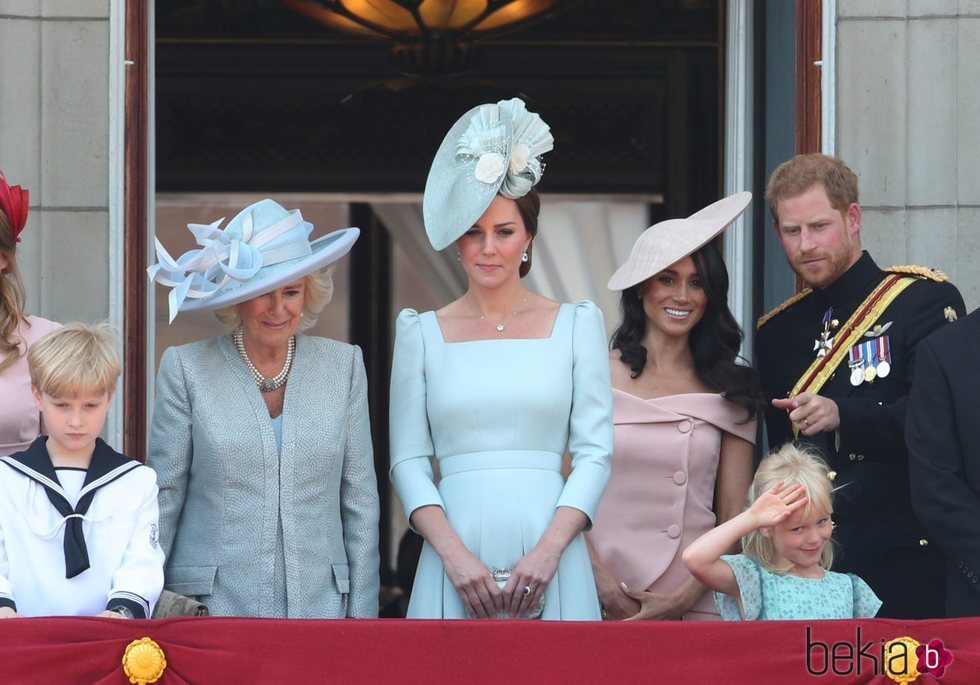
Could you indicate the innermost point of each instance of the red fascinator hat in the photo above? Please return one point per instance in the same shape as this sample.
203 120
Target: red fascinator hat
14 202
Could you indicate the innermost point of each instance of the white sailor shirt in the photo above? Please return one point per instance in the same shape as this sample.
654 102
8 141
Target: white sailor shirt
111 557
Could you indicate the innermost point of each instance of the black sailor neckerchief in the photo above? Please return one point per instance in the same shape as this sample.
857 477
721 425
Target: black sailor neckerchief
107 465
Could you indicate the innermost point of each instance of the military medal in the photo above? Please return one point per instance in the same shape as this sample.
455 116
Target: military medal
825 342
856 363
884 366
870 360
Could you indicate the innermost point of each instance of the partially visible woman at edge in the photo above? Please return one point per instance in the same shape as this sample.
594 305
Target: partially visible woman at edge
495 386
20 421
261 438
685 419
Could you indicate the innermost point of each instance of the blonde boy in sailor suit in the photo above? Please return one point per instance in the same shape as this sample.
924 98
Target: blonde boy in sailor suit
78 521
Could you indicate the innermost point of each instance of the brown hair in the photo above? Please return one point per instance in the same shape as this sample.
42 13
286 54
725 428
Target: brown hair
11 298
529 206
802 172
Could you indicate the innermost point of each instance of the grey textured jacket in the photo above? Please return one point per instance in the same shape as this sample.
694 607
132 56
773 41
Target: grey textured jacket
224 488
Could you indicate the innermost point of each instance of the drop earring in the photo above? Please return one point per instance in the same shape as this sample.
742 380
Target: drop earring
524 256
459 257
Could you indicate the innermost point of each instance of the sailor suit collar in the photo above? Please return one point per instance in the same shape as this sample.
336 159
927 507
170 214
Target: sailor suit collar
107 465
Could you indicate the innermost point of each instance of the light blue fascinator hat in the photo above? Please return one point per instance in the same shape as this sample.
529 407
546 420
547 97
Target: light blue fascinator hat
492 149
263 248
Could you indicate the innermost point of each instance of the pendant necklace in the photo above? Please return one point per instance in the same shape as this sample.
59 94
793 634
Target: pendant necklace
500 326
266 384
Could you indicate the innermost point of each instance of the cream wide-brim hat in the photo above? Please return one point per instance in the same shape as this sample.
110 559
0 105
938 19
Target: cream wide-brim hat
263 248
669 241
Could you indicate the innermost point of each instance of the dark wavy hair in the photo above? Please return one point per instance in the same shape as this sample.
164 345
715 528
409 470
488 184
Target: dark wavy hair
714 341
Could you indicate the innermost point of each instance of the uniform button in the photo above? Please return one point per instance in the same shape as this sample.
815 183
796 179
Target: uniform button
860 457
923 543
680 478
685 425
852 456
674 530
832 475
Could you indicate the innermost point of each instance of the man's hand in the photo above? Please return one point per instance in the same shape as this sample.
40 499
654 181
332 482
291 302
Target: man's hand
812 413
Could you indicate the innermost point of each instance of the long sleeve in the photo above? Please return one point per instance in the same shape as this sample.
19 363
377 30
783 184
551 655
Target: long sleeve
359 499
6 592
171 449
590 439
138 581
411 442
942 497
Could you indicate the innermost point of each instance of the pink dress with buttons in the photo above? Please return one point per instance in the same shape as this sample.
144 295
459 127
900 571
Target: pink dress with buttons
661 493
20 421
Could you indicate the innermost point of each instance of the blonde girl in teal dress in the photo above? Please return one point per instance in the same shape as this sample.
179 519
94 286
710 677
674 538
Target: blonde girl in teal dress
495 387
784 571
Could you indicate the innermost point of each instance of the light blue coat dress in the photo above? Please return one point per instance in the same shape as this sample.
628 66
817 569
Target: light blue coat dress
251 531
498 415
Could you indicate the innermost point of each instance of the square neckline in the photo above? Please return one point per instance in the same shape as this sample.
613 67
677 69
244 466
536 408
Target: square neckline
554 327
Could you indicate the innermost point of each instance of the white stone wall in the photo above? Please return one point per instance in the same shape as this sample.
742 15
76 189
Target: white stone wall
54 141
908 123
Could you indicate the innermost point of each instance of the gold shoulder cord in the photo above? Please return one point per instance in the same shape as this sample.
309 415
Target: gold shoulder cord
783 307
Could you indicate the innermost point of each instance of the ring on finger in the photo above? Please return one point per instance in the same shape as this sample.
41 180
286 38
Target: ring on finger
806 422
527 591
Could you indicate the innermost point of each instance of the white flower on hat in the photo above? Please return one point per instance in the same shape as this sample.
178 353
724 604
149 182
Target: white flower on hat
518 158
490 167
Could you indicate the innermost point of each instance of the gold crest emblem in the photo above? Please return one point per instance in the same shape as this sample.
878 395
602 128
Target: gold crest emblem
144 661
950 314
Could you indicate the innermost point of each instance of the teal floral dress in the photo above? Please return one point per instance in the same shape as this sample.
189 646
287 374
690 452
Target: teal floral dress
784 597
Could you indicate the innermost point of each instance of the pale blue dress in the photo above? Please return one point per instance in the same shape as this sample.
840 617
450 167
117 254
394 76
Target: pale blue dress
498 415
784 597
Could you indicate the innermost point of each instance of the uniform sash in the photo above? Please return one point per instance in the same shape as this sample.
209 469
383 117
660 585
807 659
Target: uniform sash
874 305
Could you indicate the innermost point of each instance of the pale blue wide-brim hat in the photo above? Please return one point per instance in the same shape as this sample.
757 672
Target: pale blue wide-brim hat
668 242
263 248
493 148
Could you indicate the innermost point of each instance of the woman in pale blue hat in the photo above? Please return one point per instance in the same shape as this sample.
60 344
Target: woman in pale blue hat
261 438
496 386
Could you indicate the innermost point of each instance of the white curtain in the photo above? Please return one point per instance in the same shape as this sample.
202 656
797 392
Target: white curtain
579 245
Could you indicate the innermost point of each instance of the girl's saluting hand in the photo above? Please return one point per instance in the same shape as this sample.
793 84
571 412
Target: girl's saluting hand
777 504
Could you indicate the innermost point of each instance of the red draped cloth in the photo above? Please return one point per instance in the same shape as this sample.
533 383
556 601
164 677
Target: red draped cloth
235 650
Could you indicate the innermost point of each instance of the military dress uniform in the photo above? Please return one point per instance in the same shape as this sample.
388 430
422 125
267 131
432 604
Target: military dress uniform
876 534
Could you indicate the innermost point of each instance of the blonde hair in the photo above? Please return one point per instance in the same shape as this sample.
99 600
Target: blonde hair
11 298
75 359
792 464
317 293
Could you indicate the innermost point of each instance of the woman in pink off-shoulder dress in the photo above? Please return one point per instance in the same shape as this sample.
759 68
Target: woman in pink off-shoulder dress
684 414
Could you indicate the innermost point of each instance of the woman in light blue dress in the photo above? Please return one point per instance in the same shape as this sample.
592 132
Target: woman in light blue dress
495 387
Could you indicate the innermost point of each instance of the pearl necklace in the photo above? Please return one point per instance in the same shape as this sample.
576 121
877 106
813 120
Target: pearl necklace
499 326
266 384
